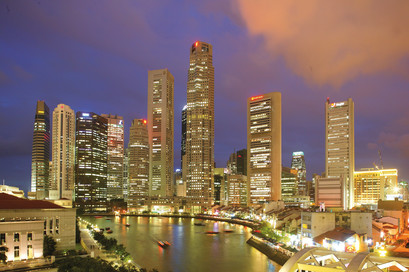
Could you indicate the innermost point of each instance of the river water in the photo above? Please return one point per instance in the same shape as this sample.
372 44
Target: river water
191 249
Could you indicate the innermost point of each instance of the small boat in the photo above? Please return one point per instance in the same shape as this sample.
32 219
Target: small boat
127 225
199 224
108 218
228 230
107 228
109 231
163 244
98 216
212 232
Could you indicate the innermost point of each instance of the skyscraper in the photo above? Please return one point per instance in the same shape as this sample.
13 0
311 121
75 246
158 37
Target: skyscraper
160 131
264 147
340 145
183 142
200 125
91 168
138 163
115 156
41 151
298 163
63 146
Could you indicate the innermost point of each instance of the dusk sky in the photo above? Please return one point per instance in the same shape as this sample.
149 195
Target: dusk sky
95 56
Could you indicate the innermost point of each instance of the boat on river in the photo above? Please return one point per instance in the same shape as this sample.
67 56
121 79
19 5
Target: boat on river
228 230
199 224
109 231
163 244
212 232
127 225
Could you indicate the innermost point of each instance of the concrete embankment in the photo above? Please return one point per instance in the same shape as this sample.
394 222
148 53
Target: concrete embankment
271 253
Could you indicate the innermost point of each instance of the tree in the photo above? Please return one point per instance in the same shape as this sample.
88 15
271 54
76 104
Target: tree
48 246
3 256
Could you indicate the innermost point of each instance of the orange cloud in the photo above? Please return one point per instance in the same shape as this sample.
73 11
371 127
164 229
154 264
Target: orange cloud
332 42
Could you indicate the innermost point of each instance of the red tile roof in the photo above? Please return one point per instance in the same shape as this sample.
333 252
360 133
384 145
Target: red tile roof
8 202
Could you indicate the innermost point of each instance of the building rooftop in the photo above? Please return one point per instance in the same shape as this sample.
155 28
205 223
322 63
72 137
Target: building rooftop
390 205
338 234
9 202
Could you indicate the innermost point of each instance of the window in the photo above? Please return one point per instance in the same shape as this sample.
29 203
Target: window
29 236
30 253
16 252
2 238
16 237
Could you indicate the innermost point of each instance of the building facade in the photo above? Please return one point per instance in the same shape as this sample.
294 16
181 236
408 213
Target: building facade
200 125
91 167
340 146
63 159
298 163
330 191
138 163
160 131
289 183
371 185
40 157
115 156
264 147
237 190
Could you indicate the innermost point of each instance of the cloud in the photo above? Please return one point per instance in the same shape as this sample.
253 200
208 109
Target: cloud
399 143
332 42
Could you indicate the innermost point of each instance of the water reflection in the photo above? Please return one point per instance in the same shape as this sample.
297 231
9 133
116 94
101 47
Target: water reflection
191 249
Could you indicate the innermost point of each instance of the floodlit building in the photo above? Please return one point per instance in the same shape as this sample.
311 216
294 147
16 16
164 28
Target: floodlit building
289 183
298 163
340 146
330 191
372 185
91 167
11 190
200 126
63 158
314 224
138 163
237 190
41 151
56 221
183 142
115 156
160 131
264 147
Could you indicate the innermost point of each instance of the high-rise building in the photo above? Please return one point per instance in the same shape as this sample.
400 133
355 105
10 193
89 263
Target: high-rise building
115 156
237 163
138 163
200 125
125 181
340 145
237 190
371 185
160 131
183 144
219 179
41 151
264 147
289 183
298 163
63 158
91 167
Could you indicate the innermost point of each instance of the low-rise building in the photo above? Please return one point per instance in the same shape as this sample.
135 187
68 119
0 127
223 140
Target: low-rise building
314 224
24 239
58 222
342 240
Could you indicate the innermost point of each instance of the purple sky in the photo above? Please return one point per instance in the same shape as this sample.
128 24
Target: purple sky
94 56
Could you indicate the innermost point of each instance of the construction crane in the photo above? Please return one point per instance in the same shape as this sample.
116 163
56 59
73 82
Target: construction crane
380 158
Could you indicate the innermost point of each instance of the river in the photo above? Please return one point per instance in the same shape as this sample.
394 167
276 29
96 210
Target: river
191 249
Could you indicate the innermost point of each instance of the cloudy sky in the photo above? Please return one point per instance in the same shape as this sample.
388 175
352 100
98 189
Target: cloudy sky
95 56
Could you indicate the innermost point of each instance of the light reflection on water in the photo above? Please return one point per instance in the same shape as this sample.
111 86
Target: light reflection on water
191 249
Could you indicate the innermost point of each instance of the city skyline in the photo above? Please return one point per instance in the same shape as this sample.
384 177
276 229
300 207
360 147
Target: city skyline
380 121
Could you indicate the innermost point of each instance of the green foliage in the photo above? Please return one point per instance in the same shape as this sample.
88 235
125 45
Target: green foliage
3 256
48 246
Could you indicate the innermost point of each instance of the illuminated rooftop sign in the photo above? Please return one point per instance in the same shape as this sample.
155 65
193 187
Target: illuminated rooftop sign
196 44
337 104
257 97
298 153
144 121
85 114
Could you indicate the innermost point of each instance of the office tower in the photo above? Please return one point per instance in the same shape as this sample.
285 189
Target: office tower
183 144
115 156
160 131
219 178
63 158
237 190
371 184
340 145
200 125
138 163
125 180
298 163
237 163
289 183
40 155
330 191
264 147
91 167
